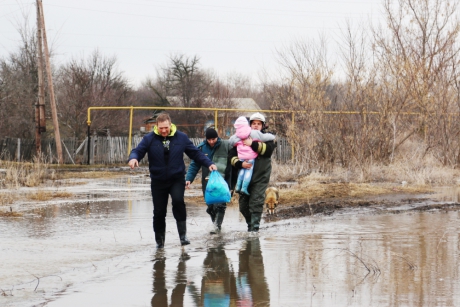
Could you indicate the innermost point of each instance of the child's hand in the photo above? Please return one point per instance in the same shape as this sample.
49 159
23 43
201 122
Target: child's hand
246 165
248 141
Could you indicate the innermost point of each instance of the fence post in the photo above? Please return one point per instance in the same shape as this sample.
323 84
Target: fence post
18 152
89 143
93 148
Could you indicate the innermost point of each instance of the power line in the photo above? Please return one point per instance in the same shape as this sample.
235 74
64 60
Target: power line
255 52
195 6
168 37
12 12
192 20
168 50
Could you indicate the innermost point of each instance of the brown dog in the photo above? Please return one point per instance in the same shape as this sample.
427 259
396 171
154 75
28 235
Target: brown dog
271 199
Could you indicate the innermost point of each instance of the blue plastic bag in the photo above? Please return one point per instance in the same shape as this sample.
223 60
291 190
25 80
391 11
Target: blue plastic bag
217 190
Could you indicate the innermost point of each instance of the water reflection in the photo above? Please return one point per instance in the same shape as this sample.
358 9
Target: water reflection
218 281
48 221
251 284
160 291
449 194
221 284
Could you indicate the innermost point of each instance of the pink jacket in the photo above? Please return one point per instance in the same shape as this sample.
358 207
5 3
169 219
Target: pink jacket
243 131
245 152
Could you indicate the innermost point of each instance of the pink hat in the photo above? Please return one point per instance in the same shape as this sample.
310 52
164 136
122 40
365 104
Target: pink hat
243 130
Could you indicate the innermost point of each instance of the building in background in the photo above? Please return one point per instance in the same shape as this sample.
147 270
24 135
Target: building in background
225 119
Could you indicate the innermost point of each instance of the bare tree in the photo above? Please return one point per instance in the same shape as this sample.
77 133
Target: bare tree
183 81
402 80
420 51
92 82
307 76
18 87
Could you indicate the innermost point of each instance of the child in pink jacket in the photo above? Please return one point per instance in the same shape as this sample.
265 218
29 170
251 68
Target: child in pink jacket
245 153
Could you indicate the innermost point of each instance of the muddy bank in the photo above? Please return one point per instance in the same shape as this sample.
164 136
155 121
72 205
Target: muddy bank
374 206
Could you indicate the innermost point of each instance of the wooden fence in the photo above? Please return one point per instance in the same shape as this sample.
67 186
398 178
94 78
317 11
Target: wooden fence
103 149
15 149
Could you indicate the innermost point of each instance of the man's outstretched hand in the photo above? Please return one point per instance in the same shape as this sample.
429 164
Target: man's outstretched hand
133 163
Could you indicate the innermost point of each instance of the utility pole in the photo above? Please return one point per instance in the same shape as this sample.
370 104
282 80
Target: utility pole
40 120
57 135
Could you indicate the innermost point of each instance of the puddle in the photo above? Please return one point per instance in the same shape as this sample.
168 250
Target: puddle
102 254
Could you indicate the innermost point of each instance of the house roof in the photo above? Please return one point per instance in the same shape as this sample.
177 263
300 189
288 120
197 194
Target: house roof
151 119
245 103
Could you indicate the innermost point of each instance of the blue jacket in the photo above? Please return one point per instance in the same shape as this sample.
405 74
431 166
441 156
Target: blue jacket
218 155
153 145
194 167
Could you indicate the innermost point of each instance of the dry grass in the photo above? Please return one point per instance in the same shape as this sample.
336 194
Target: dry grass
47 195
7 198
89 174
411 166
20 174
415 167
309 190
398 178
287 171
10 214
71 183
27 174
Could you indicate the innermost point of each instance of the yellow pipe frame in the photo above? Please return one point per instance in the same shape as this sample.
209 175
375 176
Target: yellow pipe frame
216 110
131 111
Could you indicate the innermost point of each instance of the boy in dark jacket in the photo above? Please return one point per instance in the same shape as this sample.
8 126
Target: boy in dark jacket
215 149
165 148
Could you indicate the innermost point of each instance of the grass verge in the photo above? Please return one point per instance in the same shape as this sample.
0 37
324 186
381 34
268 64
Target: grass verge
47 195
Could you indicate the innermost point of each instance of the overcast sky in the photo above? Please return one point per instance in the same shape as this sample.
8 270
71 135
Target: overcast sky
229 36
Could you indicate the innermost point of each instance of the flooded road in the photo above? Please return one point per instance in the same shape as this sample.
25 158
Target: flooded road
102 254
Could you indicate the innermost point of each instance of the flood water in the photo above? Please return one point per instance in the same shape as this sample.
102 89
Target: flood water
103 254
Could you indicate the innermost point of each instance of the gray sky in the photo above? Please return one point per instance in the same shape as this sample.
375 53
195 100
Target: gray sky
229 36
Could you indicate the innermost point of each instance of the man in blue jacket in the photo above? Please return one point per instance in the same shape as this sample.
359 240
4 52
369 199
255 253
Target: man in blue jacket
165 148
215 149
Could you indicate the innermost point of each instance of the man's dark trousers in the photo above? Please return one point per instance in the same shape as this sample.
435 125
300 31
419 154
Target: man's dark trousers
160 194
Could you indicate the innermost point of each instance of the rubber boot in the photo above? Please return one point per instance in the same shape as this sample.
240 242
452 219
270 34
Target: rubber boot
247 218
218 223
210 211
160 239
182 229
244 209
255 221
244 187
219 218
